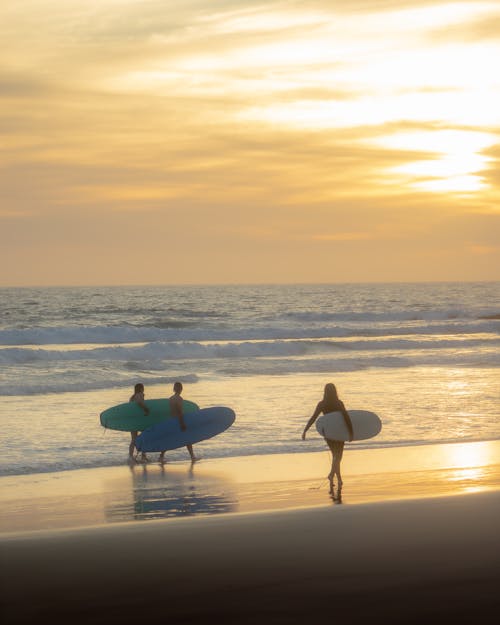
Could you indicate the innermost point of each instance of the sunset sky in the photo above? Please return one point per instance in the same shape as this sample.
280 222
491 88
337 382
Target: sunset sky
171 142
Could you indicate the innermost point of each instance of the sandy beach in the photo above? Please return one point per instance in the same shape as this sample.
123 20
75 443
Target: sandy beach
414 537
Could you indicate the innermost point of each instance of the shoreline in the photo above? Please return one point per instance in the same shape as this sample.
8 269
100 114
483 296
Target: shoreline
135 493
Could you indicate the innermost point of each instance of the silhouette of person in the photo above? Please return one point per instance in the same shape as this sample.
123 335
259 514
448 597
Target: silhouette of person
332 403
138 398
177 410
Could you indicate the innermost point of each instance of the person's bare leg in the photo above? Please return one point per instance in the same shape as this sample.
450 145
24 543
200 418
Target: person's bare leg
191 453
131 447
339 452
331 445
330 479
337 472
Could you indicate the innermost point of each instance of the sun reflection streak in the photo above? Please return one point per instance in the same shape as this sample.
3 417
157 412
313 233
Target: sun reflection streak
467 455
468 465
472 473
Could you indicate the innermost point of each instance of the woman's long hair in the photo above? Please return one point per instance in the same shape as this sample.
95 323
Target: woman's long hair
330 394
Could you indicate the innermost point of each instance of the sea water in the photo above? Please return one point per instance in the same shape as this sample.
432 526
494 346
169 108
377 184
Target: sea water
424 357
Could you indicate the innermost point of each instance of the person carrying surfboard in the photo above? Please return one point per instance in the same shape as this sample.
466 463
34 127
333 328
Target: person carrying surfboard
177 411
332 403
138 398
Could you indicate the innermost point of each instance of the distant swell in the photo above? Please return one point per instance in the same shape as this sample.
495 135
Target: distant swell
185 350
181 331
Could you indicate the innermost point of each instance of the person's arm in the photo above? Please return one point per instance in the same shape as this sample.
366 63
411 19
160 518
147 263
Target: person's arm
178 410
348 422
312 420
142 404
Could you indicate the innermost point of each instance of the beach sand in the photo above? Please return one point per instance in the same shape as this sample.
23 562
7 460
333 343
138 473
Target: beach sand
258 539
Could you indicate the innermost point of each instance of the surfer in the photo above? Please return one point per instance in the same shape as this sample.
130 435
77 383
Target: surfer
332 403
138 398
177 410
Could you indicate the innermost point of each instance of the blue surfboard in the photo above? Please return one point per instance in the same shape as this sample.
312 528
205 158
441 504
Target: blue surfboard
200 425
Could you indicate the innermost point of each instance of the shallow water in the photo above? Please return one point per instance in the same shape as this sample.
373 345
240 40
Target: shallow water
425 358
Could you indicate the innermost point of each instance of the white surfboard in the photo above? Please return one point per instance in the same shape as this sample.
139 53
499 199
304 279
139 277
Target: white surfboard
365 424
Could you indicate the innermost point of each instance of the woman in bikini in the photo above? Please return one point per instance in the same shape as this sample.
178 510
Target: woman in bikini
332 403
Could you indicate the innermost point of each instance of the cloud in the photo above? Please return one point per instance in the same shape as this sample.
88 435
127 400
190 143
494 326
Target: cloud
16 86
482 250
252 127
344 236
481 30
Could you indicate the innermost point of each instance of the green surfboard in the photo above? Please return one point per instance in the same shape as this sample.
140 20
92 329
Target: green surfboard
130 417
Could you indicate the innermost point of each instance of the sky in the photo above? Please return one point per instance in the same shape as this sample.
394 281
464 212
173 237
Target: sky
207 142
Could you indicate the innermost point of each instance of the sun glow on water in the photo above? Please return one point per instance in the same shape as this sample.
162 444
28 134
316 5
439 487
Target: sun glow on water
468 458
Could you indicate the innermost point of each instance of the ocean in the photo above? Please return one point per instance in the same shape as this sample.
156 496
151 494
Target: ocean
425 357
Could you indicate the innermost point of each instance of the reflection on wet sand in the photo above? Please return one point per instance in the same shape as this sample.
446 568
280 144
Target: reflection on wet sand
160 492
90 497
253 484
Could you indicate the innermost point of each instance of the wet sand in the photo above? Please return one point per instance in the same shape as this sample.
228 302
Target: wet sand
258 539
